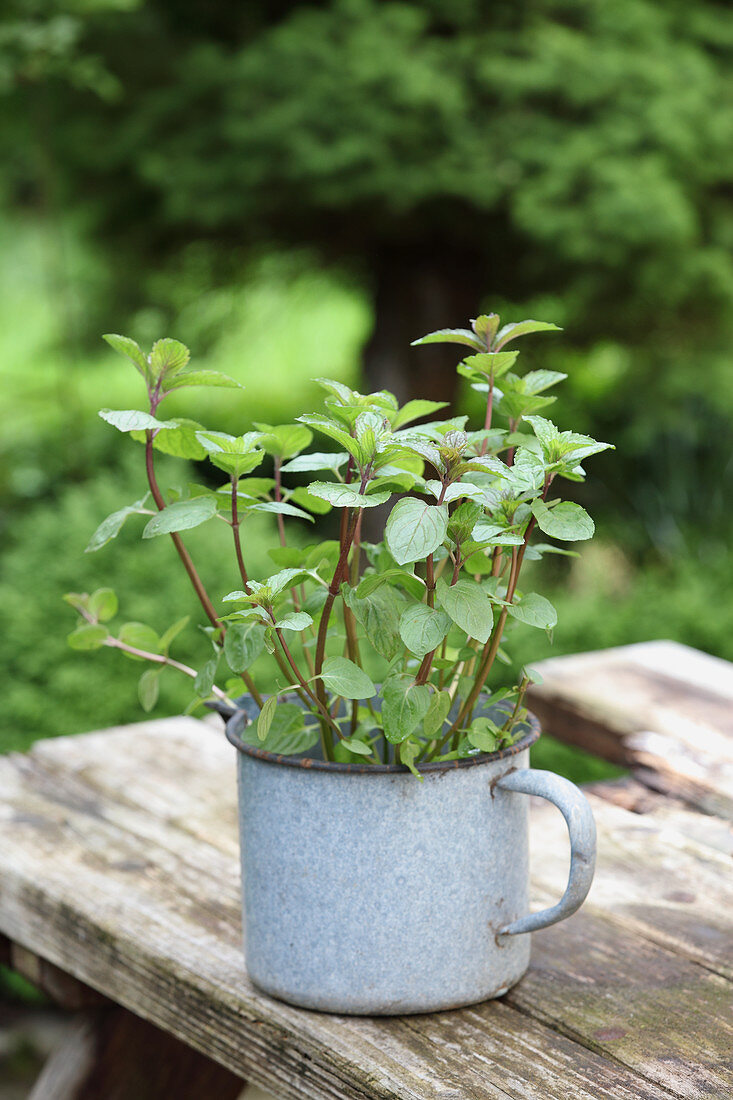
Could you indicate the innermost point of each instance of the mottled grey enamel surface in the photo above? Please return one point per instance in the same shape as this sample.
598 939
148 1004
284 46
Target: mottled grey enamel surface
375 893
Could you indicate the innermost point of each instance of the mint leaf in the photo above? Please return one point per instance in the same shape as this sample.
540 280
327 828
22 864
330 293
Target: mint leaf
423 628
468 606
346 679
181 516
415 529
566 521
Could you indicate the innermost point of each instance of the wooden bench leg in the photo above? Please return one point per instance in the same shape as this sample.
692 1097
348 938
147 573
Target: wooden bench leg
113 1055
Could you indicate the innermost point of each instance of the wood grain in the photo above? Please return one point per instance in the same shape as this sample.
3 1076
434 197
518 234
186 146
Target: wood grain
664 709
118 864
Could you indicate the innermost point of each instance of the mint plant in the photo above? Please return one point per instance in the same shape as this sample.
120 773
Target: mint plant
381 652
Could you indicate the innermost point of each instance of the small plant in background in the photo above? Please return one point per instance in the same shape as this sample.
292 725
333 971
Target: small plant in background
383 650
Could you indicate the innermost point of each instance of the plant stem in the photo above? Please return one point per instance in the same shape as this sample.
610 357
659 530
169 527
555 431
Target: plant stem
508 725
177 540
429 562
489 407
492 646
333 589
235 532
278 498
162 659
430 581
306 687
184 554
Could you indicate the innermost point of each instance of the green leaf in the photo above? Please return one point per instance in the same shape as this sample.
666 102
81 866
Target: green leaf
372 581
468 606
455 491
379 615
485 326
296 620
110 527
315 461
437 712
148 687
536 381
235 455
306 499
353 744
565 521
283 440
463 520
139 636
131 420
345 496
478 563
327 426
487 364
129 348
516 405
495 535
545 431
415 529
179 439
534 610
204 681
404 706
78 600
288 578
168 356
288 557
201 378
422 628
266 715
286 733
484 734
103 604
172 632
346 679
413 410
87 636
451 336
254 487
243 644
409 751
181 516
523 328
279 507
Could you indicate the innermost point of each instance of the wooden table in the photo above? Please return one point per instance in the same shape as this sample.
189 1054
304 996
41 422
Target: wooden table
119 893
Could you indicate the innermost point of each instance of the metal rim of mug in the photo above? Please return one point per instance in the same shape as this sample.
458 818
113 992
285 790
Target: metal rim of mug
309 764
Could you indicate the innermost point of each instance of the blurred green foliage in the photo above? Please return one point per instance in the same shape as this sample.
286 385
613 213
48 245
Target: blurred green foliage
255 178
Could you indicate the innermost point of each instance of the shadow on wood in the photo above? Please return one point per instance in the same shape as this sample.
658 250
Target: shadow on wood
113 1055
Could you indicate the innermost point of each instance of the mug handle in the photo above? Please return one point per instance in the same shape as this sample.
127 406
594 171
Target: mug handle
578 815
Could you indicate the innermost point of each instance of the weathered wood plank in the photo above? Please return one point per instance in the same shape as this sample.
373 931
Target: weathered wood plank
647 1007
117 1056
113 876
664 709
629 794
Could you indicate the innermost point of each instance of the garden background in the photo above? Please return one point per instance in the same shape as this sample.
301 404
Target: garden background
300 189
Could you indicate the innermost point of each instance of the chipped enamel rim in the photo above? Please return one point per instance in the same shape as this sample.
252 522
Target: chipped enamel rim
234 724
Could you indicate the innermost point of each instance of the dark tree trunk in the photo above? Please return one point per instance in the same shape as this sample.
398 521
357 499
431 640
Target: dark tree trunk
418 291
